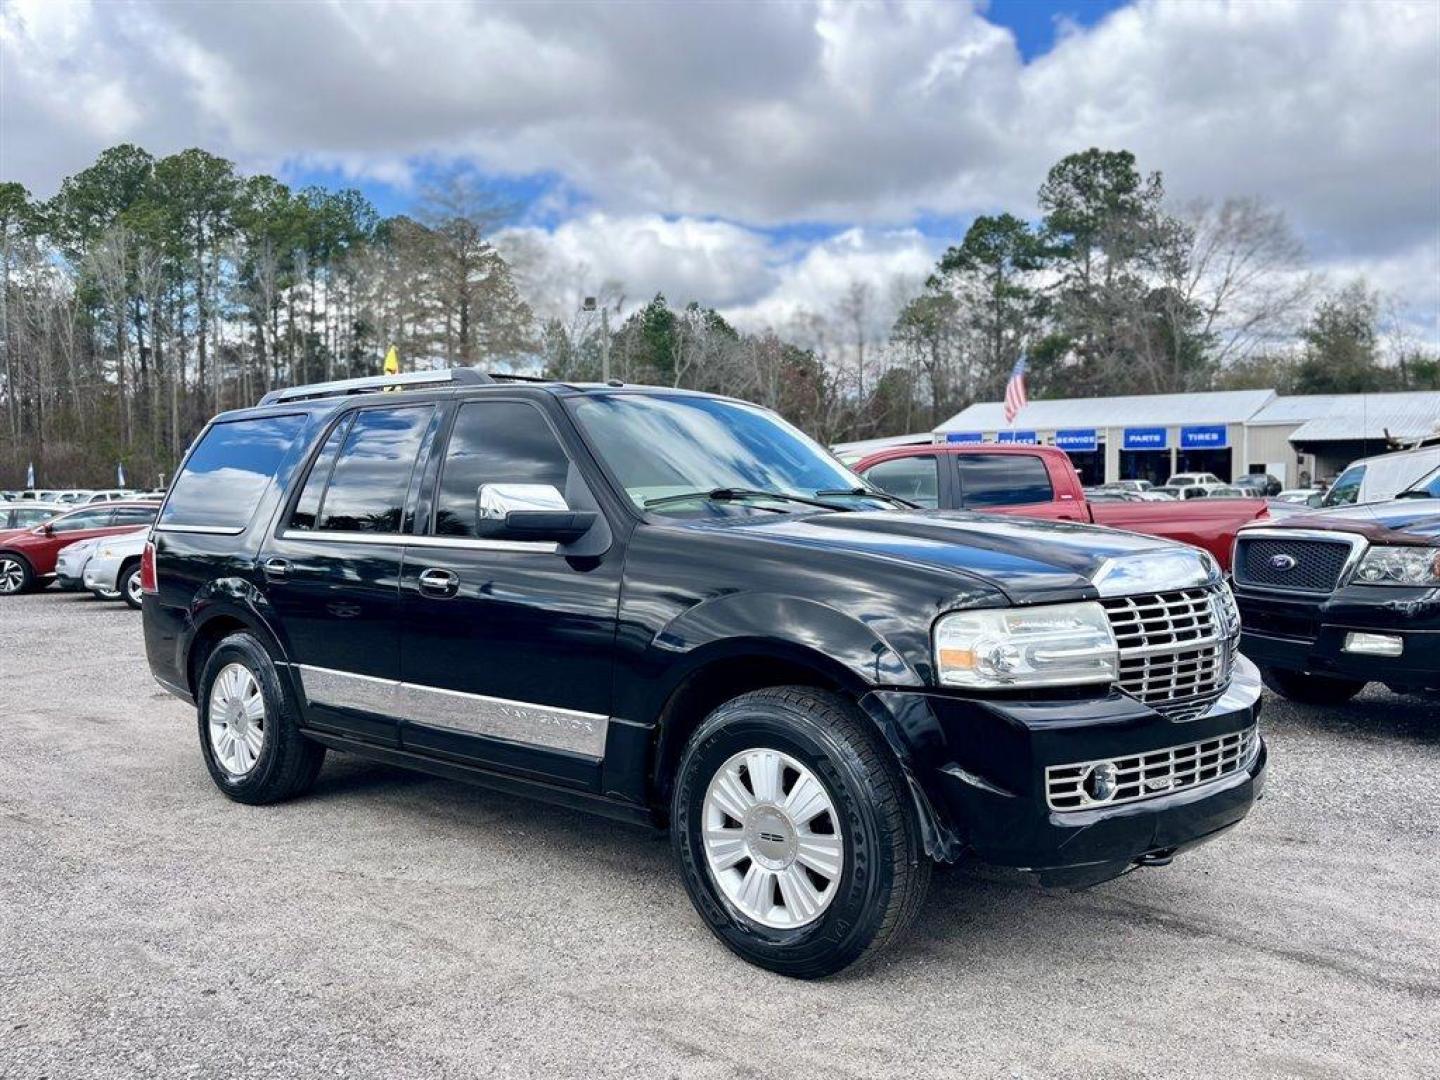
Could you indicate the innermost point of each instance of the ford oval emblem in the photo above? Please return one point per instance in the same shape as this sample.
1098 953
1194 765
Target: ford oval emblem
1283 562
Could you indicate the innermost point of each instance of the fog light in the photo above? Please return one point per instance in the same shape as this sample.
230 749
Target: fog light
1100 782
1374 644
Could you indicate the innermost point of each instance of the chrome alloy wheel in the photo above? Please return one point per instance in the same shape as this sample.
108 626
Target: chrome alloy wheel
12 576
772 839
237 719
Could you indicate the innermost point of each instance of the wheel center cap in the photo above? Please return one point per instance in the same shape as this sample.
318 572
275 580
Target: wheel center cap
236 719
770 837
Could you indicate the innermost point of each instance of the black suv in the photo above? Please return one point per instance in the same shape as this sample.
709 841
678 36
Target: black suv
674 608
1345 596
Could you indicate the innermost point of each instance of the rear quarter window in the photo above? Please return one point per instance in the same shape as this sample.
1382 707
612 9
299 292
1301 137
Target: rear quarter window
1002 480
229 471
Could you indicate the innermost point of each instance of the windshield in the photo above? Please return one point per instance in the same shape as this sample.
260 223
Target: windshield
1345 490
658 446
1428 487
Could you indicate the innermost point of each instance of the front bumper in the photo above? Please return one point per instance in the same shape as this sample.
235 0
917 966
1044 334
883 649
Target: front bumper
990 795
100 575
1309 635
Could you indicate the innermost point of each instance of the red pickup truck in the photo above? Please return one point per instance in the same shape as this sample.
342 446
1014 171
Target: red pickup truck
1039 481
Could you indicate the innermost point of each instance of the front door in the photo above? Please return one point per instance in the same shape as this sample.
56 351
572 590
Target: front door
507 646
331 572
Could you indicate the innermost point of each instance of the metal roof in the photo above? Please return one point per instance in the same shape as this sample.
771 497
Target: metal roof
1339 417
869 446
1211 407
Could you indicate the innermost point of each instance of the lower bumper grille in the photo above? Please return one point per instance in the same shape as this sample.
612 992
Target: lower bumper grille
1088 784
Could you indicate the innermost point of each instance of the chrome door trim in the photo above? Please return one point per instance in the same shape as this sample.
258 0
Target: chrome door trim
537 547
549 727
208 530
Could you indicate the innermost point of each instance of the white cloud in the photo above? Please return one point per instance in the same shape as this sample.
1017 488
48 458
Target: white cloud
669 117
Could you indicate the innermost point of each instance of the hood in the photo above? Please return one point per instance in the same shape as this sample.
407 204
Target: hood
1027 559
1399 521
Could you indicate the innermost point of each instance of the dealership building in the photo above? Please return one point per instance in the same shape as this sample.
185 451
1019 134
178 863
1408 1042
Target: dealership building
1298 438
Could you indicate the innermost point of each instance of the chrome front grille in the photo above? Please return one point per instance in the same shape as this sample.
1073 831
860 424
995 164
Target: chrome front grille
1148 776
1176 648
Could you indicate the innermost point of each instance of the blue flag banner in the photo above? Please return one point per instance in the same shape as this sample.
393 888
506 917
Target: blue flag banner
119 475
1147 438
964 437
1204 437
1078 440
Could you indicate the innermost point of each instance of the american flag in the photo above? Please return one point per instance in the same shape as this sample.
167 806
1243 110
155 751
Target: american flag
1015 398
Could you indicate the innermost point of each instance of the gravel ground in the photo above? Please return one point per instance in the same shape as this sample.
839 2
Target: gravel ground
395 925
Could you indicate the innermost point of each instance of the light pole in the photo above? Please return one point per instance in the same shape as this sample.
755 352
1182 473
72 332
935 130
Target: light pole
590 305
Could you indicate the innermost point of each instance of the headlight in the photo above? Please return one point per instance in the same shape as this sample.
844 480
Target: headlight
1399 566
1058 645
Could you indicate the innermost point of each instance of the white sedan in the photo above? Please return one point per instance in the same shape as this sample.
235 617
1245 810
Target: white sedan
114 567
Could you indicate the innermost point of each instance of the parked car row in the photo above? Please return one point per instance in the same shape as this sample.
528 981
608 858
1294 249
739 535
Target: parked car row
77 496
80 548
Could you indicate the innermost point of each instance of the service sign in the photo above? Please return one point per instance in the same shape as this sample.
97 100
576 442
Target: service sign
1204 437
1027 437
964 437
1077 440
1147 438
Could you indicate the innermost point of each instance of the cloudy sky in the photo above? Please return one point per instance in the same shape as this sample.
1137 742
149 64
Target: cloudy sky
760 157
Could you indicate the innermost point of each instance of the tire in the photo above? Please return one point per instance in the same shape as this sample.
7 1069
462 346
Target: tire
129 582
883 874
282 762
16 574
1304 688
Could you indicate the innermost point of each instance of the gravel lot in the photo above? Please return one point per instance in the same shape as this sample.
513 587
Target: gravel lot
395 925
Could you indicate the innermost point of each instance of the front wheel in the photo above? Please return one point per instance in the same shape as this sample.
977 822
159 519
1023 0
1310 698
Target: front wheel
1304 688
795 834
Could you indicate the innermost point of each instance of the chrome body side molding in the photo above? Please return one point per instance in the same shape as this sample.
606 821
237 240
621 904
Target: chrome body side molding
546 726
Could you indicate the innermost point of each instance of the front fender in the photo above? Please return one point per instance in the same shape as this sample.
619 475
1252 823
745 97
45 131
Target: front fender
774 618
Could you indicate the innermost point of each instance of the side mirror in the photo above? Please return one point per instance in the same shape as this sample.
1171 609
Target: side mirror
528 512
1316 500
48 529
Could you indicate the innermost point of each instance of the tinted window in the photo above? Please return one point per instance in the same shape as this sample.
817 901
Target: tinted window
371 477
913 478
497 442
307 507
84 519
229 471
134 515
1002 480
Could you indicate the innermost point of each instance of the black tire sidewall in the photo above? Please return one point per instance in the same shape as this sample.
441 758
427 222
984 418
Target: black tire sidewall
853 917
258 784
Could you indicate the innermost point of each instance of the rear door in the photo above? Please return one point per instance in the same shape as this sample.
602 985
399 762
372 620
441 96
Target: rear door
331 571
1012 483
508 646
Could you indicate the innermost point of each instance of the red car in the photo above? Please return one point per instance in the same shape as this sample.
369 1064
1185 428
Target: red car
27 556
1040 481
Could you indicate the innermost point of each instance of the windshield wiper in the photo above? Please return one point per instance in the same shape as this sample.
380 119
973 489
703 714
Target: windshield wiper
867 493
738 494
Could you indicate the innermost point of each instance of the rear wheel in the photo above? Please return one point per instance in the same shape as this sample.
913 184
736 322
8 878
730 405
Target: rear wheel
249 734
794 832
1303 688
16 576
129 582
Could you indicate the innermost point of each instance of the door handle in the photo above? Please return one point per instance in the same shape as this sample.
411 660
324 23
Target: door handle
439 582
276 568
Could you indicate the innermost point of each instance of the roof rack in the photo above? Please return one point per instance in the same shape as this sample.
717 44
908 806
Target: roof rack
456 376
